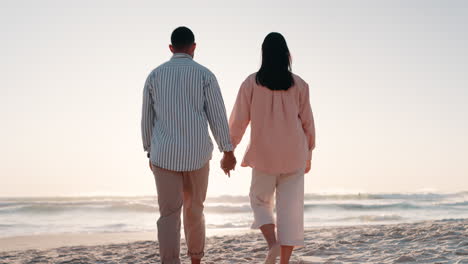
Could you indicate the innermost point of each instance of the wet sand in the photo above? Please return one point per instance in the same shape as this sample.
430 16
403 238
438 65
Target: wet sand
425 242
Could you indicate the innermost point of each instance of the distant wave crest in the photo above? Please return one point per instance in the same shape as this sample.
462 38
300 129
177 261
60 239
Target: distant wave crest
237 204
361 207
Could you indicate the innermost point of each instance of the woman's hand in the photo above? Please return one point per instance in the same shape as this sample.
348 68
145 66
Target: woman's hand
308 164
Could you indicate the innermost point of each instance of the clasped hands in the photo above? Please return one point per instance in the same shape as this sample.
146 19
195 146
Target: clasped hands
228 162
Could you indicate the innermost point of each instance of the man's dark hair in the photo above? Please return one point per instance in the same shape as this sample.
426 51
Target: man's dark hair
182 37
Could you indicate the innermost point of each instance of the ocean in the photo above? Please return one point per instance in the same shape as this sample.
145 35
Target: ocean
30 216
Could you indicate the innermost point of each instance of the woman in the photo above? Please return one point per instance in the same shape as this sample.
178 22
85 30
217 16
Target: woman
276 103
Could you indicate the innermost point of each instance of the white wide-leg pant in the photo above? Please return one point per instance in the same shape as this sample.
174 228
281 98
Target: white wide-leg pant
289 204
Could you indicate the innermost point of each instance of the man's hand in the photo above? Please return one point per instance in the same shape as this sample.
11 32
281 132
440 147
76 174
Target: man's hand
308 165
228 162
151 165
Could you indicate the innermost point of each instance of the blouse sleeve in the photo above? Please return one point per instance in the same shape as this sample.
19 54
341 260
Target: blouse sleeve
240 115
307 119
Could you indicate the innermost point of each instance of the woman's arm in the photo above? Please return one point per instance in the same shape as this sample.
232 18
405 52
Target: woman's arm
307 119
240 115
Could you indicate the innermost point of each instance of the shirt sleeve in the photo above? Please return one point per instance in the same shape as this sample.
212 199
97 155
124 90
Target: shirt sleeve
147 118
216 114
240 115
307 119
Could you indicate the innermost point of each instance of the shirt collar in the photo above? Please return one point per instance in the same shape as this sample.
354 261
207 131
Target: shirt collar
181 56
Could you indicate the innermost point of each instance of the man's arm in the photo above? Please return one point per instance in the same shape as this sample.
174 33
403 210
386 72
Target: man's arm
147 118
216 114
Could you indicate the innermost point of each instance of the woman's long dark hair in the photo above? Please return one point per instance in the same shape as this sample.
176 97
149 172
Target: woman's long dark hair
275 72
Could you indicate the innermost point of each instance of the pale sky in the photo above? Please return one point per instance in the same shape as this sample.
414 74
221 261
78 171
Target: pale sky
388 80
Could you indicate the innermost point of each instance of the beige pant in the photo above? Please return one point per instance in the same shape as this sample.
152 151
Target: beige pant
289 204
177 189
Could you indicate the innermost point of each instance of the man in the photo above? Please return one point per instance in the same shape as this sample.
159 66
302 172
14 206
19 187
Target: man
181 97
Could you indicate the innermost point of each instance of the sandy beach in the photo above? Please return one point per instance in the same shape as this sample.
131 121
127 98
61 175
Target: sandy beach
423 242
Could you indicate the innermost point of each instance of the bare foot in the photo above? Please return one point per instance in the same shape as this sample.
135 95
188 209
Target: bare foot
273 253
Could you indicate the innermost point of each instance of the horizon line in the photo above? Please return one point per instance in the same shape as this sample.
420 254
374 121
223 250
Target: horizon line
229 195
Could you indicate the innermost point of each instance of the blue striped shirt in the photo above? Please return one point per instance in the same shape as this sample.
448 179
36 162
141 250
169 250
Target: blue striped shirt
180 98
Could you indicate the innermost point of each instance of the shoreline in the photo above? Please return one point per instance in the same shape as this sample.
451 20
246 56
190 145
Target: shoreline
44 241
421 242
58 240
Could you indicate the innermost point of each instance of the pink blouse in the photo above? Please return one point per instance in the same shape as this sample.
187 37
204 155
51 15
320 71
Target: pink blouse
282 133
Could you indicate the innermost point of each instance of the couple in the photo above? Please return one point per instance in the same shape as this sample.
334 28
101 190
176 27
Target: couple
181 97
